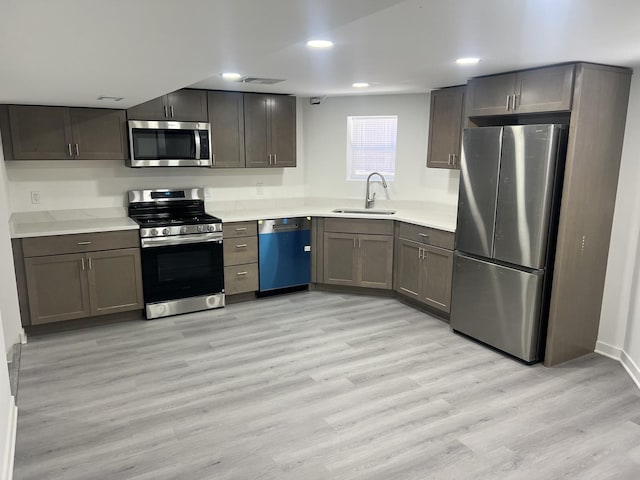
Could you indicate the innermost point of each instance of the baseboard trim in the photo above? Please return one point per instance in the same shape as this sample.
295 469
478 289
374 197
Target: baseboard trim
608 350
10 449
23 336
631 367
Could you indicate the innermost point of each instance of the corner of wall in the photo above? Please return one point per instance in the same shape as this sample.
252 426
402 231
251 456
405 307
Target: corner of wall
631 367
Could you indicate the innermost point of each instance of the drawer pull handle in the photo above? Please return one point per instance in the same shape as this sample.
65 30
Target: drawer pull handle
241 245
241 229
83 243
424 235
241 273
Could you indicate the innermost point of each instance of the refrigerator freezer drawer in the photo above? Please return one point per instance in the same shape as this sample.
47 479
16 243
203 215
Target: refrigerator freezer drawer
497 305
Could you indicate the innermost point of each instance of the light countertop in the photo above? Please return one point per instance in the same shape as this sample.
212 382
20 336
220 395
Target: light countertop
434 219
67 222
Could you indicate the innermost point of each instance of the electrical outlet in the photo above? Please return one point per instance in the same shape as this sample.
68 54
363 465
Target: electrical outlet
35 197
259 189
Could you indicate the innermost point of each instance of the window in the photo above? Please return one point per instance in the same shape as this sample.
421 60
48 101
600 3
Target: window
371 146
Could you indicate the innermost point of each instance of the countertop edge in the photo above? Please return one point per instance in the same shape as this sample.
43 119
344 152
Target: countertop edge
30 229
401 218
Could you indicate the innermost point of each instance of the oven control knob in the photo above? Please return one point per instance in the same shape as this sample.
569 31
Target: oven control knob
183 229
200 228
166 231
154 232
212 228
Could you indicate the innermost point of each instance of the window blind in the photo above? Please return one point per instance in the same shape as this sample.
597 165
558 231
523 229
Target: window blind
371 146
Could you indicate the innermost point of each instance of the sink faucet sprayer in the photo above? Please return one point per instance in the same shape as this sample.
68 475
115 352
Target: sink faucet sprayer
368 202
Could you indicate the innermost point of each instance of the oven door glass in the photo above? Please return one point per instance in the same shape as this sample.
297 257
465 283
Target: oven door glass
163 144
182 271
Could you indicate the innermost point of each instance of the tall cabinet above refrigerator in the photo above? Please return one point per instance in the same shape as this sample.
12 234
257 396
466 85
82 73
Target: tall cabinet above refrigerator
510 185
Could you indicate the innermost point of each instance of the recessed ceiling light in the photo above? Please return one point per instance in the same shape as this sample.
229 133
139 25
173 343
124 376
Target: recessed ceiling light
231 76
467 61
107 97
319 44
360 85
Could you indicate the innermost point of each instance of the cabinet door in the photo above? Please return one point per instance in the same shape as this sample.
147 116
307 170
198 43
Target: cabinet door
437 276
187 106
375 261
227 129
488 95
115 281
445 127
544 90
283 130
155 109
256 134
408 268
340 261
58 288
40 133
99 134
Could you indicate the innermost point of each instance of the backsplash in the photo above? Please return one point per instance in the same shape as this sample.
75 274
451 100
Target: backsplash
86 184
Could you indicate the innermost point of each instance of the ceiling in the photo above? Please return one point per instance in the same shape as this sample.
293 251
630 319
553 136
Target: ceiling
69 52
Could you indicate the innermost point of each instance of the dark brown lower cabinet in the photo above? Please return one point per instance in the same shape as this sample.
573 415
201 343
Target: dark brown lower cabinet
358 260
424 273
115 281
58 288
241 258
79 285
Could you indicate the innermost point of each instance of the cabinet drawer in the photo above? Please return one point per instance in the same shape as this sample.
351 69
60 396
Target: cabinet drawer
241 250
358 225
240 278
430 236
240 229
78 243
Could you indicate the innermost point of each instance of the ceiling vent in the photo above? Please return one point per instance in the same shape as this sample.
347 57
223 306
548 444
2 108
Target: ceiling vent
261 81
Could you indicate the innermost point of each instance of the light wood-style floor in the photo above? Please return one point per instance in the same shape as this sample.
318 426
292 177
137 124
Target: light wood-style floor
314 386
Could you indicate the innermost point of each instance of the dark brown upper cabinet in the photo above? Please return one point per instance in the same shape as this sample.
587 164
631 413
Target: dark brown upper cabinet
226 116
181 105
270 130
445 127
58 133
548 89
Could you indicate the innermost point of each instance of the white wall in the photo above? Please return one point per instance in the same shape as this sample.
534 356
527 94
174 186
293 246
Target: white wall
68 184
8 292
619 334
325 135
8 419
9 333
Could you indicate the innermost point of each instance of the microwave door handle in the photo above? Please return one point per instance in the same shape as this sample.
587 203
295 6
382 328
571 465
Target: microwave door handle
196 136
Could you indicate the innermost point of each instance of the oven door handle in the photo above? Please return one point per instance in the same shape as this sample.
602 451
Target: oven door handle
181 240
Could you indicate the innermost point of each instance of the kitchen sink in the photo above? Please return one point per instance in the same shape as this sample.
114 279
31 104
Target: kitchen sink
369 211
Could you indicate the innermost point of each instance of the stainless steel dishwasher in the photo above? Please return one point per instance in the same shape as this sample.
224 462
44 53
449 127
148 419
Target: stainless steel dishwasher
284 248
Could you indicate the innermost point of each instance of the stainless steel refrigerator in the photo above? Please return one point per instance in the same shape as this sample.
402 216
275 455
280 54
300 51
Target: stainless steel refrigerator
510 181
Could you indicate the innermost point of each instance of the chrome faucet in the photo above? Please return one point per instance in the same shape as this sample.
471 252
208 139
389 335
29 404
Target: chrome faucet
368 202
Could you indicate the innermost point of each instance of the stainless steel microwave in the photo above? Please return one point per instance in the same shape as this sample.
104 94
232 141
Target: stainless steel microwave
169 144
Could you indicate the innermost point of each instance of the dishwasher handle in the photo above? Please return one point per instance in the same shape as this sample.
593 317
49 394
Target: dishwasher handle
284 225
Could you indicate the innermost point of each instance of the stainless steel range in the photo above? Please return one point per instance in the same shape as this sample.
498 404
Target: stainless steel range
182 257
